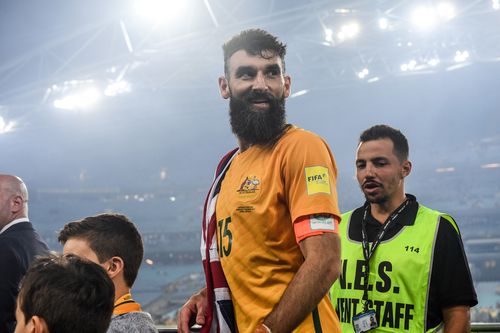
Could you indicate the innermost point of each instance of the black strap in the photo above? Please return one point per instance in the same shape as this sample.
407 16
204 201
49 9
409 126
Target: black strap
367 252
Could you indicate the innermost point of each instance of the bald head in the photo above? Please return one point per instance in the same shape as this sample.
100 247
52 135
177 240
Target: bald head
13 199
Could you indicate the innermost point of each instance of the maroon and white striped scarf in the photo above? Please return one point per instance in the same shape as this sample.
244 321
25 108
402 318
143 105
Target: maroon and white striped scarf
220 313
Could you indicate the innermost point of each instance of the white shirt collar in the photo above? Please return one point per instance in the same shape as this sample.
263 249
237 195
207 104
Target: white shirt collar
16 221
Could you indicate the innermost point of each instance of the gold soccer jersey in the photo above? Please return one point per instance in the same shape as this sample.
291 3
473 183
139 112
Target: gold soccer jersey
264 191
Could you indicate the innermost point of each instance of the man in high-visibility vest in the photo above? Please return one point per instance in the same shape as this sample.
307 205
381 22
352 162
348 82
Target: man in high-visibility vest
403 265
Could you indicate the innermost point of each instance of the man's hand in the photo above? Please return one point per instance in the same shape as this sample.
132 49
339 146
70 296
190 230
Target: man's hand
192 312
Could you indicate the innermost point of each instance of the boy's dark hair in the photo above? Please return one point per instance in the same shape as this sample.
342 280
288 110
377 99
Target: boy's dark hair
254 42
387 132
109 235
71 294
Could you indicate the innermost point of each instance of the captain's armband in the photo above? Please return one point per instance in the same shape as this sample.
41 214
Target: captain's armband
317 224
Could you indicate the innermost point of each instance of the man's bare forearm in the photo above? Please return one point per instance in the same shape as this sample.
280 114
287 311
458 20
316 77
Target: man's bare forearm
314 278
456 319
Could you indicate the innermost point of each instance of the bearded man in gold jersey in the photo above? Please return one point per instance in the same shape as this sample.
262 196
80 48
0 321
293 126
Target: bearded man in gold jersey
270 242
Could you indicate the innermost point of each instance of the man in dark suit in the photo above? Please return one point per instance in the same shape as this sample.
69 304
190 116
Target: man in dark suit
19 244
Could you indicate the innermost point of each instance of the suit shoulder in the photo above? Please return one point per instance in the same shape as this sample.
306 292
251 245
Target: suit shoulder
8 250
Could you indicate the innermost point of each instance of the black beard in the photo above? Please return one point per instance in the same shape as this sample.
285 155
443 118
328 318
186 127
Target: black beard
257 127
378 201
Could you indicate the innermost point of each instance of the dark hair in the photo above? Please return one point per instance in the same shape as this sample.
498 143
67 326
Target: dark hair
109 235
387 132
70 293
254 42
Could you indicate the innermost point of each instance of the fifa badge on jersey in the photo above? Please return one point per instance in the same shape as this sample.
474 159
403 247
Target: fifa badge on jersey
317 180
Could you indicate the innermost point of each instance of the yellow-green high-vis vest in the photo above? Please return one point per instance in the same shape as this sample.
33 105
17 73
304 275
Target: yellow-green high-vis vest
400 271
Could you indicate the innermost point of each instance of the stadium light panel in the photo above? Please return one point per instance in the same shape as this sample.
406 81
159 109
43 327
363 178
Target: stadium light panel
383 23
433 62
491 166
116 88
328 35
444 170
160 11
299 93
80 100
409 66
446 10
461 56
363 73
348 31
6 126
424 18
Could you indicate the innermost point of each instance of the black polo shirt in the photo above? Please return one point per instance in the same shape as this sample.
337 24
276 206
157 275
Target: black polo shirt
451 281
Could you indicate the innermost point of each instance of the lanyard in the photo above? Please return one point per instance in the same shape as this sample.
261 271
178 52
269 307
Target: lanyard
367 252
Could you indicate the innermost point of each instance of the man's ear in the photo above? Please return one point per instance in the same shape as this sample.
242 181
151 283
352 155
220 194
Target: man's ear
38 325
224 87
17 204
116 265
287 85
406 168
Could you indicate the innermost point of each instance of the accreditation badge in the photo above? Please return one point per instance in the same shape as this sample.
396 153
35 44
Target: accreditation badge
364 321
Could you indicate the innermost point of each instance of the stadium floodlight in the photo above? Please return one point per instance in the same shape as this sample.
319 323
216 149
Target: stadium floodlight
116 88
495 4
299 93
409 66
424 18
163 173
363 73
383 23
328 35
348 31
490 166
446 10
79 100
159 11
342 11
461 56
433 62
6 126
447 169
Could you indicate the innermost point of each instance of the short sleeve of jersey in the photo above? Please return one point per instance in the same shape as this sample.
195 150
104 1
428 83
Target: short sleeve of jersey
309 176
